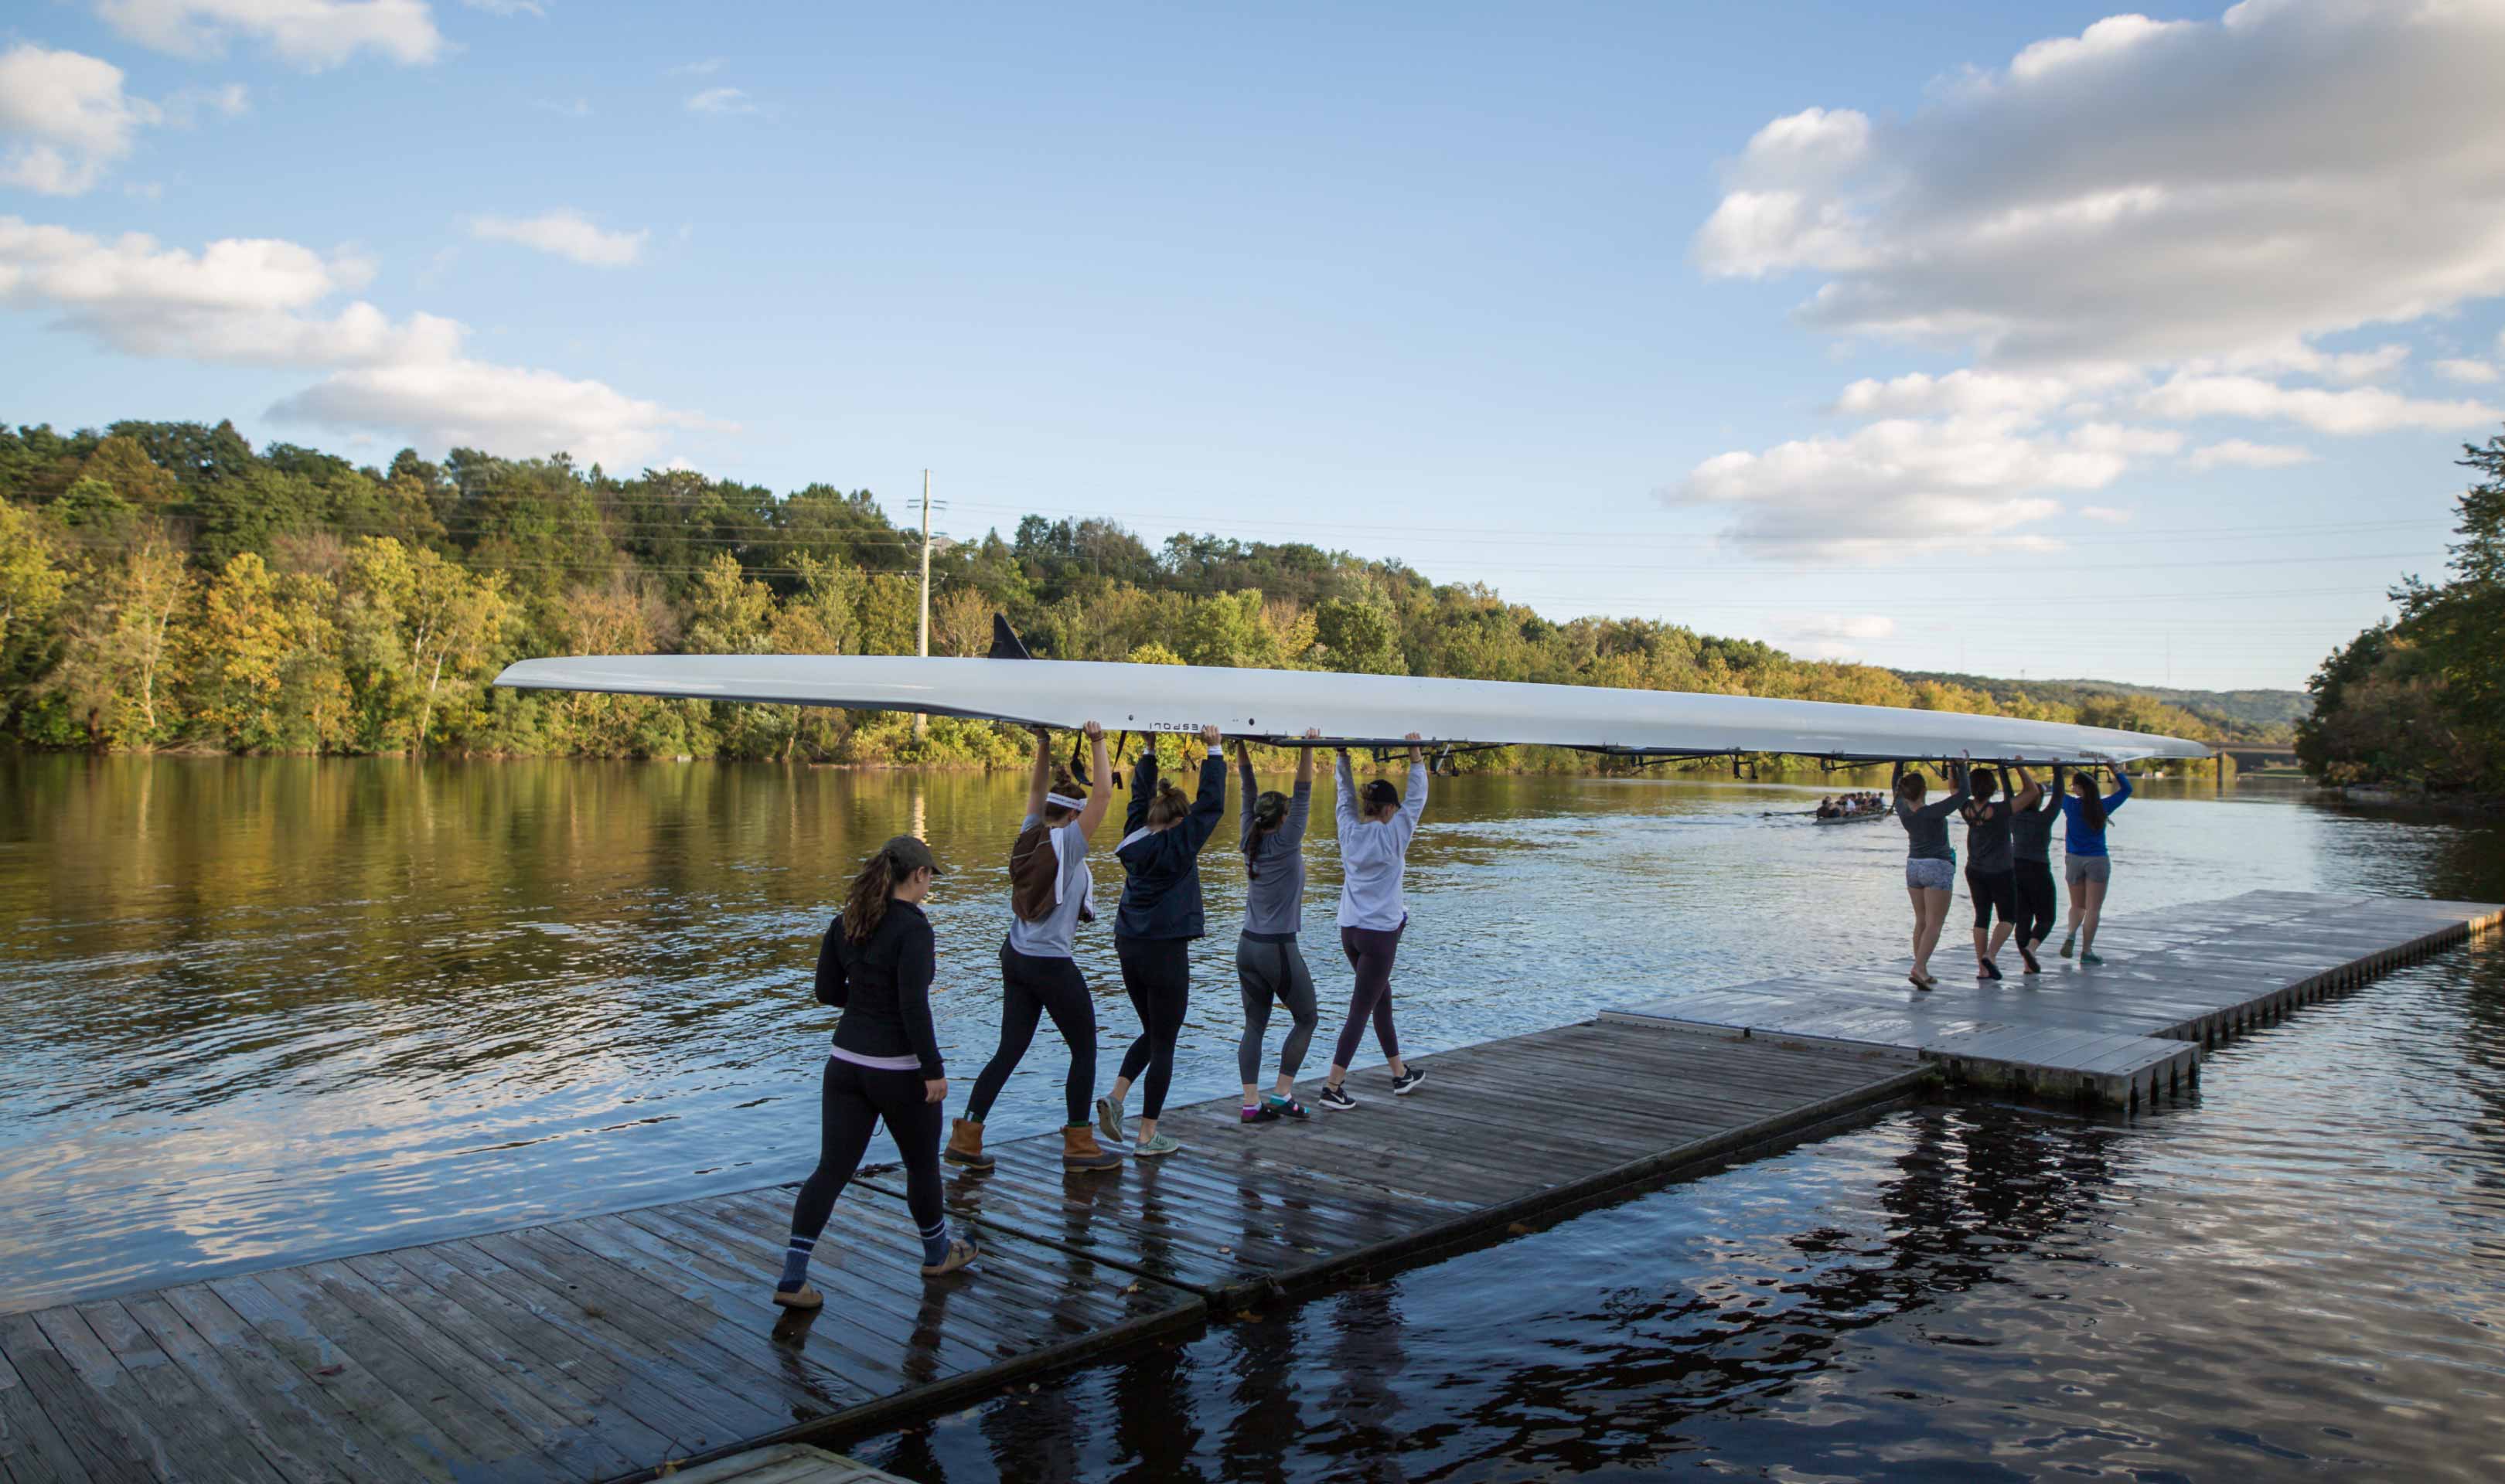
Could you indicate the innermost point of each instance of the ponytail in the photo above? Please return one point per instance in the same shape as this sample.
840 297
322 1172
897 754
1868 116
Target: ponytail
866 903
1067 787
1269 812
1170 804
2091 804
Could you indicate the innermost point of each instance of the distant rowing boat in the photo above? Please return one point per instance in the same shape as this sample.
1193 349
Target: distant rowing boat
1855 818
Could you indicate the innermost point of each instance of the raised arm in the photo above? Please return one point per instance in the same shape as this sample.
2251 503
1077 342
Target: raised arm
2029 794
1210 806
2059 785
1345 805
1959 788
1040 781
1244 773
2121 793
1300 804
1305 759
1144 790
1412 799
1099 799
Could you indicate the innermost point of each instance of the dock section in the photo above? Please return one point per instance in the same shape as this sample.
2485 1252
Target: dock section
2119 1034
623 1345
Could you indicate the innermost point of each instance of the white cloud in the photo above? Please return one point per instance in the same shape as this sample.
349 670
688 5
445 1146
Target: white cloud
2151 191
310 33
67 118
1958 393
1900 484
2352 413
2111 515
263 302
2236 453
508 8
721 100
565 233
1831 635
183 107
2467 369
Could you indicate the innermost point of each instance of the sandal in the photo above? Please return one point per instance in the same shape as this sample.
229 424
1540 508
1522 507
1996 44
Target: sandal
802 1297
961 1252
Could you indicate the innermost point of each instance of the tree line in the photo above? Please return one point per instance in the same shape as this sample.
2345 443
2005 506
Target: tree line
166 586
2419 700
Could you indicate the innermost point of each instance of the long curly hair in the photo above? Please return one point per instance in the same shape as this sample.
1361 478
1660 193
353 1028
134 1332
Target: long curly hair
865 904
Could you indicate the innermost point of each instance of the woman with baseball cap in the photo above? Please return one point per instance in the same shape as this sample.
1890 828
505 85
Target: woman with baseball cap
876 965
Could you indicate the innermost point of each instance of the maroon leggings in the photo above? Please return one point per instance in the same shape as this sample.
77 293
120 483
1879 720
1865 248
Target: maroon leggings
1371 951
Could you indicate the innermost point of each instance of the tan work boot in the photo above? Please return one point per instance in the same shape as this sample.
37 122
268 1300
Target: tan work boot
1079 1151
965 1145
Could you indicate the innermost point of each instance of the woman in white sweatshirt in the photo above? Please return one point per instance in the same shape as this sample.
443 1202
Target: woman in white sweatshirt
1374 835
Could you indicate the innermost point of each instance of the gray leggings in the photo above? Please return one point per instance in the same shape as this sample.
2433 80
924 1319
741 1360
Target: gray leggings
1268 971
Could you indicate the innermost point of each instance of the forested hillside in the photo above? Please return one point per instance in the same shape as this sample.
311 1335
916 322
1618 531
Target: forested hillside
2238 715
2420 700
165 585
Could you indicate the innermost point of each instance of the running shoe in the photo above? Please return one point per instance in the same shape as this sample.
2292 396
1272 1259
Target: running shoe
1158 1144
2090 959
1286 1108
1263 1114
1408 1081
1335 1098
1108 1121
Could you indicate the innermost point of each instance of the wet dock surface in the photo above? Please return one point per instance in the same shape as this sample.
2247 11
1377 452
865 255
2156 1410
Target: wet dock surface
613 1345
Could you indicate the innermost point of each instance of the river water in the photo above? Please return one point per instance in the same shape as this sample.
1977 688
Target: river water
256 1010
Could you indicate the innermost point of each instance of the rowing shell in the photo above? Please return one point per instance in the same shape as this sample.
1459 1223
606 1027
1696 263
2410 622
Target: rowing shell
1856 818
1348 710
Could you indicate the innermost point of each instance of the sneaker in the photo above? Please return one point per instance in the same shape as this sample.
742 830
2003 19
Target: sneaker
1286 1108
1108 1121
2090 959
1158 1144
1264 1113
1335 1098
1408 1081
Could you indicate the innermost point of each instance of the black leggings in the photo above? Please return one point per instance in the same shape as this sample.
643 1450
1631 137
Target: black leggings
2035 900
1156 973
1271 969
1993 891
1371 951
854 1099
1031 988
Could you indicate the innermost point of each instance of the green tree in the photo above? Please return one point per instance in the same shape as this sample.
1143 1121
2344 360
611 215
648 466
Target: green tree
424 637
112 683
1360 637
261 664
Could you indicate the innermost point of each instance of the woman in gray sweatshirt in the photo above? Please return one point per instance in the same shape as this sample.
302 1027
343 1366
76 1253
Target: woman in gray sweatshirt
1269 964
1931 865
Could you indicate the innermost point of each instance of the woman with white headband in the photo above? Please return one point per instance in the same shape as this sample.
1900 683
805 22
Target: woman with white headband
1051 893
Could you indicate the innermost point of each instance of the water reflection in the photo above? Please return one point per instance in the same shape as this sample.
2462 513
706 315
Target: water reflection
254 1010
2277 1279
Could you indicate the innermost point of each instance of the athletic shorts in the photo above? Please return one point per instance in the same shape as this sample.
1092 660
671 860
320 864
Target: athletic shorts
1931 875
2087 868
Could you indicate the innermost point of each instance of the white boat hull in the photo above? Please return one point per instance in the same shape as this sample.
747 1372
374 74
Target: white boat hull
1349 710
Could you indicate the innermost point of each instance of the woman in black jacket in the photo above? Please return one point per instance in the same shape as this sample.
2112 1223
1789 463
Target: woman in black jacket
1152 931
876 965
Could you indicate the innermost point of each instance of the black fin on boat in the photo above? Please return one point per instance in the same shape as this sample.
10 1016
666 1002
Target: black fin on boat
1005 644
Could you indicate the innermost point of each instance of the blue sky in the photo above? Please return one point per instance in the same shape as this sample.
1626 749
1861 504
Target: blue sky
2026 341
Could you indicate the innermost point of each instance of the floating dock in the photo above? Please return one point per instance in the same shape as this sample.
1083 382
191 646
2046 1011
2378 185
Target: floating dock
621 1345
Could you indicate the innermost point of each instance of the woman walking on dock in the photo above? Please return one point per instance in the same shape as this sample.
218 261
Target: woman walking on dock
1374 835
1990 870
1269 964
2085 865
2030 849
1051 892
876 965
1930 866
1159 916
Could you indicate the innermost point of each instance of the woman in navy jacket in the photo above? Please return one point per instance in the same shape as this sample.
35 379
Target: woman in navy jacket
1160 914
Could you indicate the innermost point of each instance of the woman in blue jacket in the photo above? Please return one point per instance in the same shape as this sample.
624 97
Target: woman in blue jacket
1160 915
2085 865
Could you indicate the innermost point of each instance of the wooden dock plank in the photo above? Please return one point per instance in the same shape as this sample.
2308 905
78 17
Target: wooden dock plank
616 1345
